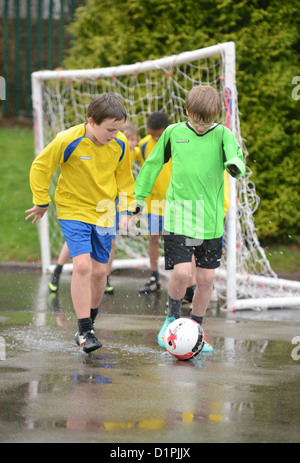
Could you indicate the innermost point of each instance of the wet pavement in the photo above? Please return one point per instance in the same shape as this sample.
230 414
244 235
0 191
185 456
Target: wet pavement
131 391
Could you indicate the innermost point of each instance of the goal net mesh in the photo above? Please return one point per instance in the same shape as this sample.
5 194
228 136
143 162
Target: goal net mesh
65 101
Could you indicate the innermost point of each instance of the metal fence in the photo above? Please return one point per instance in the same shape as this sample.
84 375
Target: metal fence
33 36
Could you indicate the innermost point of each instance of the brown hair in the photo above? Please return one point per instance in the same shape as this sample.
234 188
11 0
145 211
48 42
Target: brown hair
203 103
106 106
130 127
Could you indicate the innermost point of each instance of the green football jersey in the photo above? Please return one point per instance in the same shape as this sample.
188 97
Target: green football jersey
195 197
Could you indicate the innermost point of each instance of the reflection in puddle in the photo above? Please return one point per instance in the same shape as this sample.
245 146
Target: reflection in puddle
131 390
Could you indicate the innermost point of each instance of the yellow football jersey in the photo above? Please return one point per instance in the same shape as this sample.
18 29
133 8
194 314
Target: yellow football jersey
91 177
156 200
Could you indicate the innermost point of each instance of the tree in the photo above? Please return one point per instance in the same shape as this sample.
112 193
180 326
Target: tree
267 43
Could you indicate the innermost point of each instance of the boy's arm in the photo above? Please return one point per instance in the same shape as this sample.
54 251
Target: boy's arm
151 169
41 172
233 155
42 169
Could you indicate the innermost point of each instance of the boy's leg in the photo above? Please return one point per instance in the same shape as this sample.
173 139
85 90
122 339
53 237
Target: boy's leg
176 291
78 236
98 282
155 228
208 258
153 249
101 257
63 257
81 285
82 291
178 280
204 280
178 257
191 285
153 252
98 286
109 289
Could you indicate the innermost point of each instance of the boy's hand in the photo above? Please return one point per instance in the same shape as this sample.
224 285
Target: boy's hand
235 167
37 212
124 222
234 170
138 210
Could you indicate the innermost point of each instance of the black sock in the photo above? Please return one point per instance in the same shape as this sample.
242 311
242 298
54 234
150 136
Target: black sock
154 273
197 319
190 292
94 313
58 269
84 325
174 307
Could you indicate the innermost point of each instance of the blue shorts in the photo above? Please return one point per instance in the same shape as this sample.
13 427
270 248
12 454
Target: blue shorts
83 238
155 224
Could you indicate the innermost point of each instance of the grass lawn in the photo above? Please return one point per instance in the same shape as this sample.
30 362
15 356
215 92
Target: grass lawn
19 239
284 259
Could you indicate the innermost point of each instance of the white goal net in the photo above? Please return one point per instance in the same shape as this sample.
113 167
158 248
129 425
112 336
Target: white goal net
60 100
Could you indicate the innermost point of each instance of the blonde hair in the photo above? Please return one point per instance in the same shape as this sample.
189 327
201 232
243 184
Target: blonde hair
203 103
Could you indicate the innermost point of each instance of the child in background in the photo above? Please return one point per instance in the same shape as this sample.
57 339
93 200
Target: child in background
63 258
157 122
132 134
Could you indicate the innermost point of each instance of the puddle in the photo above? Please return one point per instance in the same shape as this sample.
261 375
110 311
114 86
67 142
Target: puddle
132 391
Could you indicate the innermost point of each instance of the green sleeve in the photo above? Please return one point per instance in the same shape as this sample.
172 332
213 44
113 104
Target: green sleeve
233 155
151 169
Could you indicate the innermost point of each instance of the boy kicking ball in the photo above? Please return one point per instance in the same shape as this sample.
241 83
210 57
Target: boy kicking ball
200 150
95 167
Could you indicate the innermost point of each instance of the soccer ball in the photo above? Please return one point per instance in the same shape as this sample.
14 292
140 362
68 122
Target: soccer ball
184 338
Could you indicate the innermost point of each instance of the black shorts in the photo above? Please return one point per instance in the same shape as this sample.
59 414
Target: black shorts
180 249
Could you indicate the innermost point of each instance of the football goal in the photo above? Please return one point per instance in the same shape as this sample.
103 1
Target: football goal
60 100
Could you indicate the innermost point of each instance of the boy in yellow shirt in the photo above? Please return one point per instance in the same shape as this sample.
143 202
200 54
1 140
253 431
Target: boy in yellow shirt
95 168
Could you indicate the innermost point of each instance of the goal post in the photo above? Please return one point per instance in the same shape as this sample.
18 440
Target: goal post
60 99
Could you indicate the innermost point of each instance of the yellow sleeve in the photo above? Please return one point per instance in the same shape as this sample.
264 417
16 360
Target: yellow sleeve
42 169
125 180
136 155
144 152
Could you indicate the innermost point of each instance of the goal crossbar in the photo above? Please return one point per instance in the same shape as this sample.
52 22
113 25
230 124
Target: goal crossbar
122 70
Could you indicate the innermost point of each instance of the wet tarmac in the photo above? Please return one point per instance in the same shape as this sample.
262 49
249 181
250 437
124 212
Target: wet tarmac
132 391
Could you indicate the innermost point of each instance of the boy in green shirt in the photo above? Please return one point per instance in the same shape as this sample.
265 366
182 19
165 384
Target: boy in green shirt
200 150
